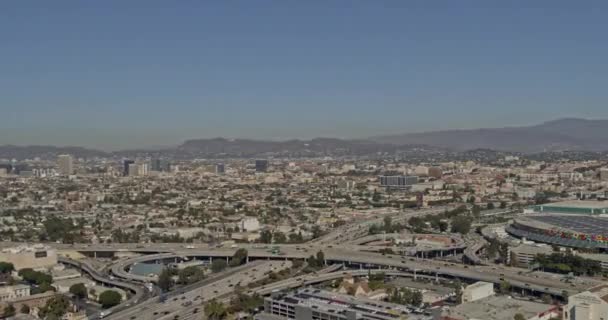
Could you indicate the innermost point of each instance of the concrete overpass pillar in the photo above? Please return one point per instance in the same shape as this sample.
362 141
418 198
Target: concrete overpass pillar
95 254
247 259
415 275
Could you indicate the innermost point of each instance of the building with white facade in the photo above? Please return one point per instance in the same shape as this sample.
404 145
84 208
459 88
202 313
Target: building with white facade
250 224
588 305
37 257
8 293
476 291
65 164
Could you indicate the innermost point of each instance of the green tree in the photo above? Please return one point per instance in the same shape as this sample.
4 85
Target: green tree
55 307
417 298
266 236
239 257
279 237
519 316
109 298
461 224
316 231
79 290
190 275
505 287
215 310
296 237
490 206
242 302
503 205
9 311
25 309
6 267
35 277
218 265
388 224
165 280
321 258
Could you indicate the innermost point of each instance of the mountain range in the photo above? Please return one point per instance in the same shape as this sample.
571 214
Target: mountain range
568 134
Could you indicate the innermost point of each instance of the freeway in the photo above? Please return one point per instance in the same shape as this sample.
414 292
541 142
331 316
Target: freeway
185 303
139 292
346 255
351 231
318 278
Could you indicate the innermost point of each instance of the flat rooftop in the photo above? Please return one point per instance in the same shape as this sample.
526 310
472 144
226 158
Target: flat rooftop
497 308
579 224
579 204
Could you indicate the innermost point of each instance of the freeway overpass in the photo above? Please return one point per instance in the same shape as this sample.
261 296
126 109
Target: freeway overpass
139 293
368 260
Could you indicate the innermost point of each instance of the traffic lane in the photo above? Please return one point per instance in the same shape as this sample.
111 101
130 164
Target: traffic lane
196 298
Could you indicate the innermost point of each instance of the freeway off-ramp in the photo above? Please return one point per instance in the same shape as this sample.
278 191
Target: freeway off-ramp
346 255
185 303
339 249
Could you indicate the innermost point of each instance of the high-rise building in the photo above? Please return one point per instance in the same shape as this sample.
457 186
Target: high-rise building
65 164
142 169
397 181
220 168
261 165
7 166
125 166
155 164
435 172
133 169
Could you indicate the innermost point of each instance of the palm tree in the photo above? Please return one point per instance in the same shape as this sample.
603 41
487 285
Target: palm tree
215 310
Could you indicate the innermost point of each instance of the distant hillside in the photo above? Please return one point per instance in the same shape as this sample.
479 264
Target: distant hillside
248 148
46 152
558 135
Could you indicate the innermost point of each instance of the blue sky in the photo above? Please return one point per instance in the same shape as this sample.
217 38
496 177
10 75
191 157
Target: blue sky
117 74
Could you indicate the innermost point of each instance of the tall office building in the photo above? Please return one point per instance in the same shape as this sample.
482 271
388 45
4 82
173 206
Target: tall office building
125 166
133 170
142 169
155 164
6 166
220 168
397 181
261 165
65 164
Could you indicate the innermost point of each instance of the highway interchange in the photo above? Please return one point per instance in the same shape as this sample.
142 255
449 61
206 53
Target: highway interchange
341 250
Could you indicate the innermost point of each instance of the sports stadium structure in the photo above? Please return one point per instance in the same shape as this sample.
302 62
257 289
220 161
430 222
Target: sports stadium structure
577 231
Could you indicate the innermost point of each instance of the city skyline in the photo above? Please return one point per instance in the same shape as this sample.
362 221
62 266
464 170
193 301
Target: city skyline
116 75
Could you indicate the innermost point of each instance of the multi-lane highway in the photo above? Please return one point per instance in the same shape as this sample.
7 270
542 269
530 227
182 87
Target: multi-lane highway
340 247
185 303
348 255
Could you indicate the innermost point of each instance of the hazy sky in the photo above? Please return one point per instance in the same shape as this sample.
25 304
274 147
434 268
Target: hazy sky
115 74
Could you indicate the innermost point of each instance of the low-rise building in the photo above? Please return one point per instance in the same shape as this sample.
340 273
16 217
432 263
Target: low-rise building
9 293
524 254
312 304
37 257
476 291
588 305
500 308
